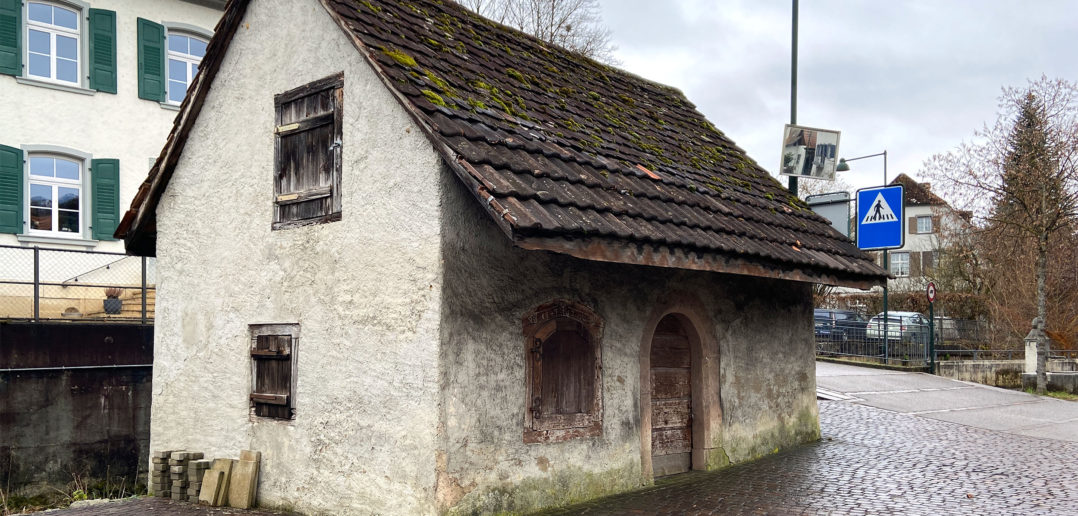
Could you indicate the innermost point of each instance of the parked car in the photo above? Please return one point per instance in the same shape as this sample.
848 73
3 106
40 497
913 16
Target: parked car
905 326
839 325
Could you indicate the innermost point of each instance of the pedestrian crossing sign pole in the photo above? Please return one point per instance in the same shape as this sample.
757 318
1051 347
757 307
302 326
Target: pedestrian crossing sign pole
880 216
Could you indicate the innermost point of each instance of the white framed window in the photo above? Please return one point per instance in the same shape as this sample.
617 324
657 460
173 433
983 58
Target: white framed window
900 264
53 50
924 224
185 52
55 200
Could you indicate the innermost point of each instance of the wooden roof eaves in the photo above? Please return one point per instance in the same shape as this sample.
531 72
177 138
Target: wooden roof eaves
616 251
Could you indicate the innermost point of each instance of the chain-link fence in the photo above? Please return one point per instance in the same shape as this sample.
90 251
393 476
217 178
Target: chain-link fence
49 284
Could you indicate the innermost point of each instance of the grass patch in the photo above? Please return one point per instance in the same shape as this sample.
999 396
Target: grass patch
1061 395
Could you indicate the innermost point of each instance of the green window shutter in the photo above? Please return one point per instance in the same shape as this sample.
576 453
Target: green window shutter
10 37
103 50
11 188
105 197
151 60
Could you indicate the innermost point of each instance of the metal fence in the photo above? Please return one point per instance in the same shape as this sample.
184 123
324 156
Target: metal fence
57 284
902 341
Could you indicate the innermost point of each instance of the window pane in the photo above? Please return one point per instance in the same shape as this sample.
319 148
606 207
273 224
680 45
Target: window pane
176 91
177 43
67 70
39 42
67 169
67 48
41 166
40 12
69 221
65 18
177 70
69 198
40 65
41 218
40 195
194 71
198 48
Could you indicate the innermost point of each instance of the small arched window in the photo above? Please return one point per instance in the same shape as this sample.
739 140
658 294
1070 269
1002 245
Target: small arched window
564 371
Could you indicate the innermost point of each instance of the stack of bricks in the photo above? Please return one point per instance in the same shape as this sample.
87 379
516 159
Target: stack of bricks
160 479
196 469
177 463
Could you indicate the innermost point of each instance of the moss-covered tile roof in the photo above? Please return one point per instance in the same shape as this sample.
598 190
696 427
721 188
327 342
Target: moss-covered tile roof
574 156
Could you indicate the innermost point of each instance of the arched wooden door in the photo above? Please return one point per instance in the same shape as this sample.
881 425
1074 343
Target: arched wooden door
671 398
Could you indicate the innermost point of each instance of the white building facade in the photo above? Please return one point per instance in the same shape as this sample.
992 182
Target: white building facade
91 89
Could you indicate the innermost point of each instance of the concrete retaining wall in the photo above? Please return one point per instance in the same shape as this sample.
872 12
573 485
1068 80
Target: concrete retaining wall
999 373
1066 382
66 411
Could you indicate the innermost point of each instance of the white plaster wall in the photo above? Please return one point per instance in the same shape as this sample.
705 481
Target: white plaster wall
366 291
762 329
120 126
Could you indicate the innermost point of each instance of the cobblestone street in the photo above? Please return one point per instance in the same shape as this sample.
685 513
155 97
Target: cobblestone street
870 461
873 461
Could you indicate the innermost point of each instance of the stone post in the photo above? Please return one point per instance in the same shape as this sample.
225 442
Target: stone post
1037 344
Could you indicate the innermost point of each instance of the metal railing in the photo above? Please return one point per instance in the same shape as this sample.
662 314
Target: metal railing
980 354
38 283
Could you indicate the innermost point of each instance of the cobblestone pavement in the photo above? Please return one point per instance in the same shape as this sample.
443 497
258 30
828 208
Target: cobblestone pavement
870 461
152 506
873 461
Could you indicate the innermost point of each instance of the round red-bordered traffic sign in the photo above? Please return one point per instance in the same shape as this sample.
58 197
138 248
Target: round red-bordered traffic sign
931 291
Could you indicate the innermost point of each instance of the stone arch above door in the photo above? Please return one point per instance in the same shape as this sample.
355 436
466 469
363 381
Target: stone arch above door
706 412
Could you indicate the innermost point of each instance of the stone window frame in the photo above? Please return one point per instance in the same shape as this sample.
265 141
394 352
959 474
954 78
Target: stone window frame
539 324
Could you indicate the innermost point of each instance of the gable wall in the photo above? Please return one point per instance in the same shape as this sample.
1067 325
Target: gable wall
758 330
365 290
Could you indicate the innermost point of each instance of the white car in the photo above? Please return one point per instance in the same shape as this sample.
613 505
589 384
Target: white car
906 326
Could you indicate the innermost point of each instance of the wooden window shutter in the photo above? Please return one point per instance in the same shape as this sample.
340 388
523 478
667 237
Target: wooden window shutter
11 189
911 226
935 223
564 373
104 197
272 392
103 50
928 260
307 164
151 60
11 37
915 264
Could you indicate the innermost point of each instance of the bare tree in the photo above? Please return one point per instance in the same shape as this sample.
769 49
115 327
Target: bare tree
571 24
1019 179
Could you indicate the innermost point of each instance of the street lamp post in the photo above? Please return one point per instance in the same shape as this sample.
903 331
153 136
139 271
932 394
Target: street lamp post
843 167
793 87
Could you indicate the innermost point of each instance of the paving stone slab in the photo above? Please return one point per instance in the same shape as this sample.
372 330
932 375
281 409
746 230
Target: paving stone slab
242 485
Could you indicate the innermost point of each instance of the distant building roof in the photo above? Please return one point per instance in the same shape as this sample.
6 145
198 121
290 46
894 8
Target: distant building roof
564 153
917 194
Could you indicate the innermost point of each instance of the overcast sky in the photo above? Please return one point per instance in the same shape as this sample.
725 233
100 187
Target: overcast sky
913 77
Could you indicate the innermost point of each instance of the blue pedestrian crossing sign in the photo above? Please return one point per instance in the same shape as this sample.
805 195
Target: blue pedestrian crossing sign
880 214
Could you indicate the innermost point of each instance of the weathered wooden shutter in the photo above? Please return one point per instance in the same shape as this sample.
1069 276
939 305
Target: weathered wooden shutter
11 189
11 37
151 60
915 264
911 226
935 223
105 197
103 50
928 260
272 394
307 178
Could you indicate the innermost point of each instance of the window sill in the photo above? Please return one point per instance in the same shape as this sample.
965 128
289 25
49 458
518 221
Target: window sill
38 239
55 86
170 107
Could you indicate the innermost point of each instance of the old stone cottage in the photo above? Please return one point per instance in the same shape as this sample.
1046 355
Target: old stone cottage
426 264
